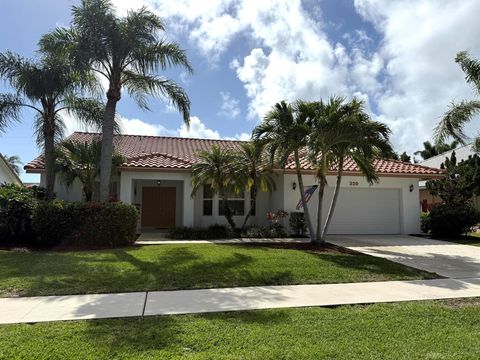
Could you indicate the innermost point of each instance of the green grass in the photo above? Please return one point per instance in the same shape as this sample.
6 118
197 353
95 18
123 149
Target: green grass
168 267
420 330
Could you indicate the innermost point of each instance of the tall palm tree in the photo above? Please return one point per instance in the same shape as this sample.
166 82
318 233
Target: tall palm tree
81 160
14 162
48 86
219 168
430 150
258 174
127 52
284 133
460 113
364 140
342 130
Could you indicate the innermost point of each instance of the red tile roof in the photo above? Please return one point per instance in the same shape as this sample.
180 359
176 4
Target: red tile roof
158 152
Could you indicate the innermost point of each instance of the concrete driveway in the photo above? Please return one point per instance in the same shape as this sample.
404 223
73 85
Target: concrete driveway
441 257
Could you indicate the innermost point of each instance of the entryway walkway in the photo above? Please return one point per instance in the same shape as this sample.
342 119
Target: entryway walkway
444 258
77 307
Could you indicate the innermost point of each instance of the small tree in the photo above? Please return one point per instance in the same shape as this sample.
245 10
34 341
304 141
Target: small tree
219 168
462 180
284 131
81 160
256 172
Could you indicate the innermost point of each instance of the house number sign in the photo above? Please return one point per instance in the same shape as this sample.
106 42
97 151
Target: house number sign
353 183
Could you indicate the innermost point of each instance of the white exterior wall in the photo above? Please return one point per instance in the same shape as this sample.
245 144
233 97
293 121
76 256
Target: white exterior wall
6 174
409 204
260 218
127 189
178 185
189 210
70 193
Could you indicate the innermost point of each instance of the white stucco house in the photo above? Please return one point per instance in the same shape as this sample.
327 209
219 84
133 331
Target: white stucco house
7 175
156 178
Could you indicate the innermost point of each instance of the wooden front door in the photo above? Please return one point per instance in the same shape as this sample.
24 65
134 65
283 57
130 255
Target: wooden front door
158 207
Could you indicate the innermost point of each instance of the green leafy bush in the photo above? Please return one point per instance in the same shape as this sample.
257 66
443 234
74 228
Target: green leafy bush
16 206
451 219
190 233
273 231
86 225
297 223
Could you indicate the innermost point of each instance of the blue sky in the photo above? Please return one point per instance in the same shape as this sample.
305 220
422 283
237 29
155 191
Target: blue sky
396 55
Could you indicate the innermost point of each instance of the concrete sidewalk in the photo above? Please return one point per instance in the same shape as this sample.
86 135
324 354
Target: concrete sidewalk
76 307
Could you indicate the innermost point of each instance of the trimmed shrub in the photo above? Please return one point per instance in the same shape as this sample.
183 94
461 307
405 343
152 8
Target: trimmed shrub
85 225
451 219
17 204
189 233
273 231
297 223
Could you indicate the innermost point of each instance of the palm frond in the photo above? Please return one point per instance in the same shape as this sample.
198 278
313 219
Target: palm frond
454 120
471 68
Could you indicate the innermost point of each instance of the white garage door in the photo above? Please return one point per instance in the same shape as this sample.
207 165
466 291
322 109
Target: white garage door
367 211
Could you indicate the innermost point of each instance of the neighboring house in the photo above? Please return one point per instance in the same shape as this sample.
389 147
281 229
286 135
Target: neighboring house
156 178
7 174
461 153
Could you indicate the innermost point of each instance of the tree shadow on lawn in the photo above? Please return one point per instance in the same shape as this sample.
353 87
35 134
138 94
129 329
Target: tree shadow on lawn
123 270
178 336
181 268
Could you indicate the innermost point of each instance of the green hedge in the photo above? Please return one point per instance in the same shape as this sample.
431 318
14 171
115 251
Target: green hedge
84 225
16 206
190 233
448 220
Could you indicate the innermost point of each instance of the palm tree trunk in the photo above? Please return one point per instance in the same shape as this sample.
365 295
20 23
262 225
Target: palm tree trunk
334 200
107 146
49 143
253 202
302 197
321 193
227 212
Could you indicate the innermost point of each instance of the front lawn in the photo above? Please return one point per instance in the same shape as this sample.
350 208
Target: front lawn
415 330
169 267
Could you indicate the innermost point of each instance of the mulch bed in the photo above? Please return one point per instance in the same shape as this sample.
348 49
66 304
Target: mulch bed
331 248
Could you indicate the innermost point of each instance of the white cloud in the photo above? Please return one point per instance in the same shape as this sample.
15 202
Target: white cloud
230 106
420 40
197 129
409 79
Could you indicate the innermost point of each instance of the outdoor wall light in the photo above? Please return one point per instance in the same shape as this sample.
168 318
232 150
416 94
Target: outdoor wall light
412 187
159 182
294 185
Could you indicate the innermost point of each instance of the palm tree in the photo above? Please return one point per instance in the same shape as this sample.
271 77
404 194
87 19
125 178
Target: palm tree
342 130
81 160
257 173
430 150
219 168
48 86
460 113
14 162
364 140
127 52
284 133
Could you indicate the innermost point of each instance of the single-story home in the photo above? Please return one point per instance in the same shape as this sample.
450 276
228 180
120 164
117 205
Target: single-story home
156 178
461 153
7 174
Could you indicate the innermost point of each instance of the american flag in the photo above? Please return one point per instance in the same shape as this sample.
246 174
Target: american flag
308 194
